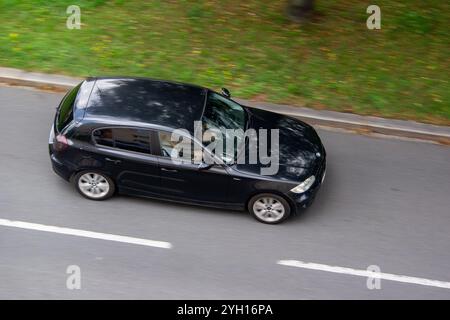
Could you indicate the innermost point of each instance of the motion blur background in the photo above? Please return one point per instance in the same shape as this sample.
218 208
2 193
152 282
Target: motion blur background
326 59
384 202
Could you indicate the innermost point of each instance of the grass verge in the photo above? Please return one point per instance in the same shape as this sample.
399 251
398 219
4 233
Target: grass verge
333 62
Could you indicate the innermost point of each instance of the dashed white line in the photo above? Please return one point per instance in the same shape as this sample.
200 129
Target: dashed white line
365 273
84 233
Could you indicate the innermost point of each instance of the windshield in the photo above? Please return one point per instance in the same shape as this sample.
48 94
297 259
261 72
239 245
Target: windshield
226 118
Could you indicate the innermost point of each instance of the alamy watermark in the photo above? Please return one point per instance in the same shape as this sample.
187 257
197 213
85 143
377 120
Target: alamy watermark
375 281
74 19
374 20
74 279
229 146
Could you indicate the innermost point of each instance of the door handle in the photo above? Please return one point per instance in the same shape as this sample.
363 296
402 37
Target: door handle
113 160
169 170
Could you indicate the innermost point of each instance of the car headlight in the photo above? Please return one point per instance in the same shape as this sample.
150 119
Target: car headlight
304 186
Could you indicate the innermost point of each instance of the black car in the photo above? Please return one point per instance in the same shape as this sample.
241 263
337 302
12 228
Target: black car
115 135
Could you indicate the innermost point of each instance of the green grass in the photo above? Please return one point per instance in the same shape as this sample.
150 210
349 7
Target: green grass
333 62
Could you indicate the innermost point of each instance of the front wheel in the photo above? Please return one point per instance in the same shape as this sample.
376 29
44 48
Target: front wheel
269 208
94 185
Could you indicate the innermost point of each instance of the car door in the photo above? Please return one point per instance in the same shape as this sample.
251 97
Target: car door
126 153
184 179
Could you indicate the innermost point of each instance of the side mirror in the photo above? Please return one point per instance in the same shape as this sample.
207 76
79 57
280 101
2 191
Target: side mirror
204 166
226 92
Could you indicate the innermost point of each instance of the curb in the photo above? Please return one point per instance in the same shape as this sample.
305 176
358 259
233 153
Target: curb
35 79
361 124
324 118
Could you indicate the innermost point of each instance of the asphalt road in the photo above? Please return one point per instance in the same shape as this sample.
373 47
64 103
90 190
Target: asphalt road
385 202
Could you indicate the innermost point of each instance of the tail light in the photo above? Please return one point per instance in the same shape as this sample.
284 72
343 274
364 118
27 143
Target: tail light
61 143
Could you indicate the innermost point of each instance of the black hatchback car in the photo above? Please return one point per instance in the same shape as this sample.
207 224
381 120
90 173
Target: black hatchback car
116 135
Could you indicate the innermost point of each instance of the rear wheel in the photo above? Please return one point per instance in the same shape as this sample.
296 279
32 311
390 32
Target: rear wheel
94 185
269 208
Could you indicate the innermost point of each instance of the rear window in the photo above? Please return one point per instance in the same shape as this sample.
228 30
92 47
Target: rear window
137 140
65 110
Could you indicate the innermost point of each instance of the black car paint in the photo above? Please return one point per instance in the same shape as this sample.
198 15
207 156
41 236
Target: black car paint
154 176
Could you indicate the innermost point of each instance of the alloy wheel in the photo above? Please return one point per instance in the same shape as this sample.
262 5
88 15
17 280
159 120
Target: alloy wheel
93 185
269 209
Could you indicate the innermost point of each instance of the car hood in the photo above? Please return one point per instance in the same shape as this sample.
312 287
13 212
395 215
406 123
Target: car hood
300 148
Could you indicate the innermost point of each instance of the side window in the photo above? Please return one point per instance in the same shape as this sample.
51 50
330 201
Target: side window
173 149
104 137
167 145
137 140
132 139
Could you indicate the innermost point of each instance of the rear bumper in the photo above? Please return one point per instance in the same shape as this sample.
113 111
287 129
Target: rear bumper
58 167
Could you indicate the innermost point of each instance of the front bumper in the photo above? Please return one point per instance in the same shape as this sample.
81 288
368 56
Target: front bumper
304 200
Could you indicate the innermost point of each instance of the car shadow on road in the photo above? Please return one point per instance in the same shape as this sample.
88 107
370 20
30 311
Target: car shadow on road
318 209
180 206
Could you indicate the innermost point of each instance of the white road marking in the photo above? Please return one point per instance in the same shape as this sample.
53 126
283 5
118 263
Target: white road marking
84 233
365 273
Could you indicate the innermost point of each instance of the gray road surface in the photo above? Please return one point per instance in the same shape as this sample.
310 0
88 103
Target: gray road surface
385 202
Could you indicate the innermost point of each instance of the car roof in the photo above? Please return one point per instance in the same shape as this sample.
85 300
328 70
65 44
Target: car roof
147 101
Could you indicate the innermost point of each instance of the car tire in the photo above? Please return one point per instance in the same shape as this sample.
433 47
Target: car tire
269 208
94 185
